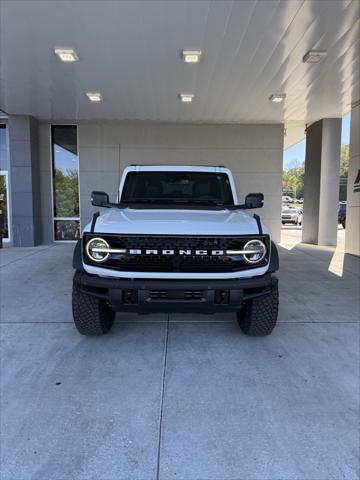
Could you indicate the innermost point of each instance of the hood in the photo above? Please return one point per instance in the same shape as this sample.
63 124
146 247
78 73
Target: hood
175 222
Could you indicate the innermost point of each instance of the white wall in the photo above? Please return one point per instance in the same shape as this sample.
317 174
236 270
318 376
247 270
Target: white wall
352 236
254 153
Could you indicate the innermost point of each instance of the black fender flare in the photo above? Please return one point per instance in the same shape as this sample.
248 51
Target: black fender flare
77 257
274 259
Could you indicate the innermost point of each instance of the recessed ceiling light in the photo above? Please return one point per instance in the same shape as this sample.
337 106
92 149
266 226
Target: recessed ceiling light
186 97
66 54
314 56
191 56
94 96
277 97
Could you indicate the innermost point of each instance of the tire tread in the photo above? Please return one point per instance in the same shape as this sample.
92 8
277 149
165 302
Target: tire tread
91 315
259 316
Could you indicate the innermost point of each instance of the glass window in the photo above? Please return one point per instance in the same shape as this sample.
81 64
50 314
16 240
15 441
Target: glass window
4 209
4 192
67 229
3 146
65 182
177 187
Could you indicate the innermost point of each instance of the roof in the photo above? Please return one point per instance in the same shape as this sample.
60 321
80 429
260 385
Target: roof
130 52
176 168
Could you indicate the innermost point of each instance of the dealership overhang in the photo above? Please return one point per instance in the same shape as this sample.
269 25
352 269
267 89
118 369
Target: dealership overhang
288 66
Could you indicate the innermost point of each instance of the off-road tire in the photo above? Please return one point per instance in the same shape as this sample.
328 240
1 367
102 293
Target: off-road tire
92 316
258 316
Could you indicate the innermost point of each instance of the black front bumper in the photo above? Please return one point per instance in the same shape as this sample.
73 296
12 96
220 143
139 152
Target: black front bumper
147 295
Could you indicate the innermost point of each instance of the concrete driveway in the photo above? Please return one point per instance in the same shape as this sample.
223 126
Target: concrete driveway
183 397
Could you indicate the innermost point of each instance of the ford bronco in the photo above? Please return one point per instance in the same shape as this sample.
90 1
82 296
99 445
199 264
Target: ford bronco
175 241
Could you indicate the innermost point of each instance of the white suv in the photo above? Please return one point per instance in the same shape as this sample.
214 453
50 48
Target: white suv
176 241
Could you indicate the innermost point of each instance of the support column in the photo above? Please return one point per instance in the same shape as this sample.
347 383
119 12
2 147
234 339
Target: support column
352 235
321 182
25 180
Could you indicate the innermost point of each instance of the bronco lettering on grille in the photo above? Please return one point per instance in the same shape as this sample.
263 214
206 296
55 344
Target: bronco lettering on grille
182 252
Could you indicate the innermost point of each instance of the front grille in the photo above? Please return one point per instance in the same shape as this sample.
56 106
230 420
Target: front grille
176 263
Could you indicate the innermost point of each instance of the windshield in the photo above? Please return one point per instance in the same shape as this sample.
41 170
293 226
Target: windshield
200 188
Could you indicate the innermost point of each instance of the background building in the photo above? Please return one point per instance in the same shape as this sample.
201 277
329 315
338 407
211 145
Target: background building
267 71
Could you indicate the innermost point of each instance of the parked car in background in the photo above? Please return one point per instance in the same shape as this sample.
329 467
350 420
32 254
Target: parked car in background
287 199
342 214
291 215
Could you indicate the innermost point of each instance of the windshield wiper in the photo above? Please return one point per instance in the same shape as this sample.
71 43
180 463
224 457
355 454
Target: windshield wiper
207 202
137 200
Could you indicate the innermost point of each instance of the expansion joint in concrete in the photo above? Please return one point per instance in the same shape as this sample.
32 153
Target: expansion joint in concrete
26 256
162 398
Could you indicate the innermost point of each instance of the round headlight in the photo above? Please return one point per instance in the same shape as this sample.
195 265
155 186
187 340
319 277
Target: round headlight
96 250
257 251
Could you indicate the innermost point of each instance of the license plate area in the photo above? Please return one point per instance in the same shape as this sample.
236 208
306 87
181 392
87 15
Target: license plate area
176 295
173 299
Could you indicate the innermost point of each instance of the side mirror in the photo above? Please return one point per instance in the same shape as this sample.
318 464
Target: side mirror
254 200
100 199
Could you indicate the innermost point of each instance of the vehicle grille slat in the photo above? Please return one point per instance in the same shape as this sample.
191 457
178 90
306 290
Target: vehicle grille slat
178 263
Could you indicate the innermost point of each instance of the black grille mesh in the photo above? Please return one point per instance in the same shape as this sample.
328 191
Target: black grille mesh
176 263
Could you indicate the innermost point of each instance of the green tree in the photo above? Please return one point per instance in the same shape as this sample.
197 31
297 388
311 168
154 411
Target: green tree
289 181
66 193
293 179
344 168
344 160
